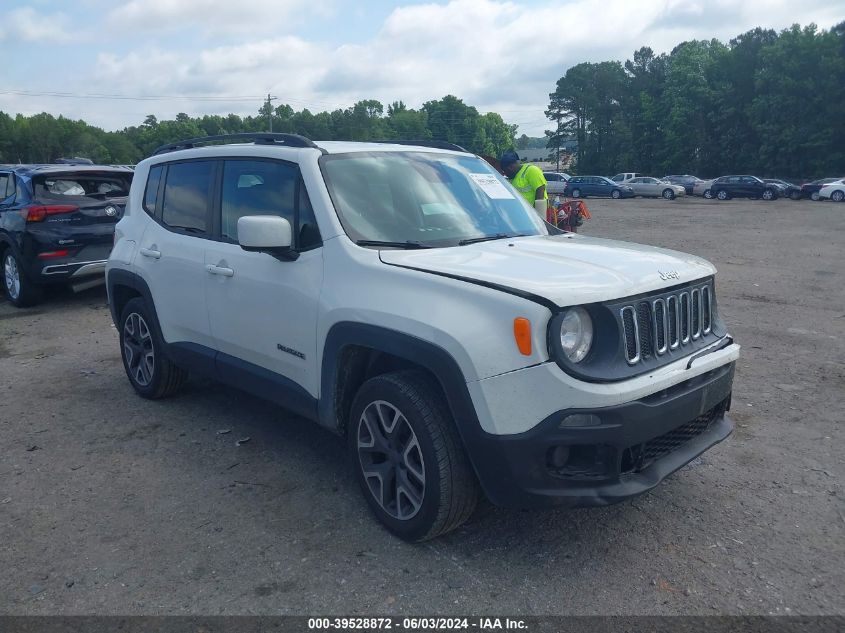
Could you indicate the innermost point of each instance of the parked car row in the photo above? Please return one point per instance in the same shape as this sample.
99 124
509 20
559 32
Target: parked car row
737 186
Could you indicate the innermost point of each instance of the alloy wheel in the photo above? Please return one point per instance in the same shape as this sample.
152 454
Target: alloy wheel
138 349
837 196
391 460
768 195
12 276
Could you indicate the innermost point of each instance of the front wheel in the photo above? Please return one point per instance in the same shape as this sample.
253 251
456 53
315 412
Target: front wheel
795 195
837 196
576 193
19 288
408 458
150 372
814 196
768 194
708 195
615 194
668 194
722 195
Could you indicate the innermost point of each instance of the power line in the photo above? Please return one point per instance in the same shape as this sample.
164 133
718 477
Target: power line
94 95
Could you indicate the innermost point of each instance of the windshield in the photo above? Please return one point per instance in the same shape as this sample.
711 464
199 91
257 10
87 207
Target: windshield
428 199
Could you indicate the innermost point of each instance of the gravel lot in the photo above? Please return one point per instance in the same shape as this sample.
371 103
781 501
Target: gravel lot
110 504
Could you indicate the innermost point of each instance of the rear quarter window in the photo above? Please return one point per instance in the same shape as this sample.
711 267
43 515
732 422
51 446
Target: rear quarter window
151 190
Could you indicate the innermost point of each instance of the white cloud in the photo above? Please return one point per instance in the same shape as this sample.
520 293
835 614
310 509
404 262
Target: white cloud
214 16
27 25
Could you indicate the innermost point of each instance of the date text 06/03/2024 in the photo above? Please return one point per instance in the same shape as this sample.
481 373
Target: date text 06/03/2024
417 624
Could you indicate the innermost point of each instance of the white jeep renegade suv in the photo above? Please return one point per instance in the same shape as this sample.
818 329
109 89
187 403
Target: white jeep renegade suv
406 297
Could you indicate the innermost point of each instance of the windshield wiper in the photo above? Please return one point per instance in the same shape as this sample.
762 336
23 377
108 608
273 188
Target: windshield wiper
408 244
487 238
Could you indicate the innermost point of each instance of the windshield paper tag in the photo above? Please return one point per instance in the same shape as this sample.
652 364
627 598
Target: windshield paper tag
491 186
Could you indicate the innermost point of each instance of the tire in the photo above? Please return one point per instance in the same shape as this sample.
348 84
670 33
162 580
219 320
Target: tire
668 194
615 194
814 196
422 452
708 194
576 193
150 372
722 195
795 195
19 288
769 194
837 196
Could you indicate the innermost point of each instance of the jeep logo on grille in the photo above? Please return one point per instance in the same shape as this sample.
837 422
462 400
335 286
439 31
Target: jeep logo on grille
669 274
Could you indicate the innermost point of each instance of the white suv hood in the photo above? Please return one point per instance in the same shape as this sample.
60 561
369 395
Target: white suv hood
565 269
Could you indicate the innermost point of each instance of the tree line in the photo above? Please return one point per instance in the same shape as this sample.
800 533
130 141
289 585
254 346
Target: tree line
42 138
767 103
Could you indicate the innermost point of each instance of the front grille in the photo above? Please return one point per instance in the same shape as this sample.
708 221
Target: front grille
656 326
641 456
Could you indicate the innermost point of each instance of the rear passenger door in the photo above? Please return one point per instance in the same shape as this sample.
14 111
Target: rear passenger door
171 254
263 311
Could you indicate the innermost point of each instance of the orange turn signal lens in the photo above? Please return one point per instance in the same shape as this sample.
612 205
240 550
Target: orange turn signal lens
522 335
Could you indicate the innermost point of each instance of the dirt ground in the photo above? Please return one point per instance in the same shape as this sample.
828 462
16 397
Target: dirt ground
110 504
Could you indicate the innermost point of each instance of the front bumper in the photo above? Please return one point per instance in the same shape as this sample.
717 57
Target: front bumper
632 449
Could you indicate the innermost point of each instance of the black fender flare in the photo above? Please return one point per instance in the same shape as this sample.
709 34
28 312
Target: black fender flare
118 277
427 355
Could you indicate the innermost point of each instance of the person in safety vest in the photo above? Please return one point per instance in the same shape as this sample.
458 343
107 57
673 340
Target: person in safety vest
527 180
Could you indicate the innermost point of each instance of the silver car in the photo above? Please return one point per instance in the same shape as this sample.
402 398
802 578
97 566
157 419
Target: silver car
702 188
555 182
649 187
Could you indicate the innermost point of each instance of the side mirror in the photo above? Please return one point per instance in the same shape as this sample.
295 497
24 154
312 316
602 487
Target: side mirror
266 234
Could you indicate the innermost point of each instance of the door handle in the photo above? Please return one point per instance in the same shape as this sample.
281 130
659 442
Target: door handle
148 252
219 270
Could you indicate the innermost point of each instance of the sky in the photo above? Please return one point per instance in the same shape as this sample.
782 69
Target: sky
112 62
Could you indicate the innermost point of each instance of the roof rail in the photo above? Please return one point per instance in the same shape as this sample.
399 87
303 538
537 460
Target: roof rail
259 138
427 143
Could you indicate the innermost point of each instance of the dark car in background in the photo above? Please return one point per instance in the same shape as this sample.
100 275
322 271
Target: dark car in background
787 189
584 186
57 225
743 186
811 189
687 181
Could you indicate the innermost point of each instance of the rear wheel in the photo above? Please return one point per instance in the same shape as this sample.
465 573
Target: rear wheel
722 195
795 195
576 193
615 194
708 195
668 194
150 372
19 288
408 458
837 196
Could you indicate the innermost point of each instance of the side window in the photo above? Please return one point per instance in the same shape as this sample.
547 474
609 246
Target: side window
151 192
254 187
187 196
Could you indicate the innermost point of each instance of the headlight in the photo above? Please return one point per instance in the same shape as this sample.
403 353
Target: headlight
576 334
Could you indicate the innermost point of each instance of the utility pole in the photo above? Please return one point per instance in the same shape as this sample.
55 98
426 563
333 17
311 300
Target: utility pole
270 111
558 142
